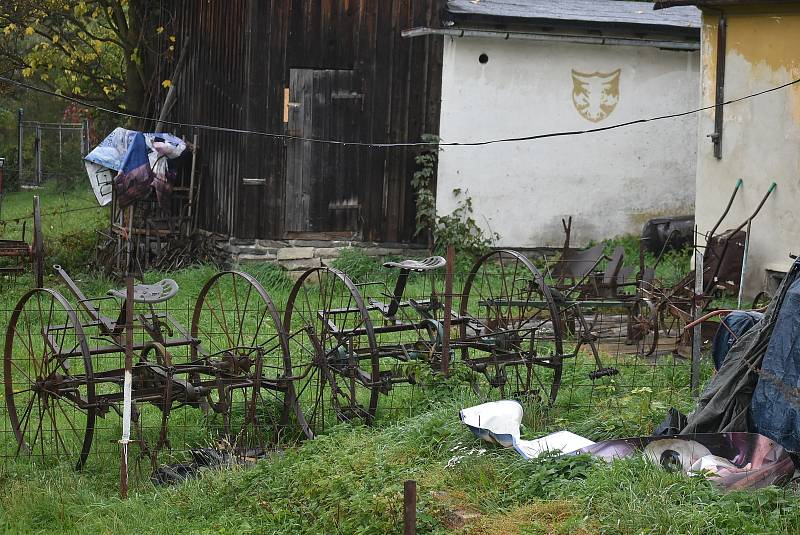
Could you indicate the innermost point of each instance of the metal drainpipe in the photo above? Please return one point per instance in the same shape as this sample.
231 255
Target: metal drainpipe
452 32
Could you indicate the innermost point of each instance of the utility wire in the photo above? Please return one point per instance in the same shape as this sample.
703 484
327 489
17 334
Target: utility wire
406 144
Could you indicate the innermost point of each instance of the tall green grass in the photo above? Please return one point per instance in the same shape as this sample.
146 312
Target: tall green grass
351 482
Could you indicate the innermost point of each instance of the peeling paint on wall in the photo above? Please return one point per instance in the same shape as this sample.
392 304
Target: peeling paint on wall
761 135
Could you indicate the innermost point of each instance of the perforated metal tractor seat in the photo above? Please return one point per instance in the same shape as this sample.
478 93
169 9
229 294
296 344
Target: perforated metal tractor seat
150 293
428 264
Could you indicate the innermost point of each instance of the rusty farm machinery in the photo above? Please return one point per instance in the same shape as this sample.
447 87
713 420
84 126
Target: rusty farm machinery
21 252
245 376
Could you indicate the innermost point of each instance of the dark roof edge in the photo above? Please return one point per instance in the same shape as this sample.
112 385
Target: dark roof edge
666 29
662 4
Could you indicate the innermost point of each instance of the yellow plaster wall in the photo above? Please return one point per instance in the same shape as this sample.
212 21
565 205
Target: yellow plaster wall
768 41
761 136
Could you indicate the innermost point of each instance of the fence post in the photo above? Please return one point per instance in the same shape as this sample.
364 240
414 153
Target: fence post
410 507
127 389
84 137
38 154
696 311
744 264
2 177
21 130
448 308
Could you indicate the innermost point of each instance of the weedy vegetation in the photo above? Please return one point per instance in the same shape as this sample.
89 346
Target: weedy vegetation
350 480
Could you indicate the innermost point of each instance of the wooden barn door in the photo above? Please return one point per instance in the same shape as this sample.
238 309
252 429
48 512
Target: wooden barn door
323 181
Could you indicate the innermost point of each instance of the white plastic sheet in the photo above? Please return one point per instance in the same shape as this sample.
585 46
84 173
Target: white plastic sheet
499 422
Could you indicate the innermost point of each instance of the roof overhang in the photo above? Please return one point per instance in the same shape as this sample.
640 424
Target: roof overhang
553 37
580 16
661 4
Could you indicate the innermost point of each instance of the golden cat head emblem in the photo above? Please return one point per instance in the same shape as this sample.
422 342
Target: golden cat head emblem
595 95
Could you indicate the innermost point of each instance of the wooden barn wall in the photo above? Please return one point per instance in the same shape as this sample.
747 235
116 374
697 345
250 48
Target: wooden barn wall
241 55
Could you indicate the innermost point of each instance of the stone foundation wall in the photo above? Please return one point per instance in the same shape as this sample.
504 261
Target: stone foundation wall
296 256
299 255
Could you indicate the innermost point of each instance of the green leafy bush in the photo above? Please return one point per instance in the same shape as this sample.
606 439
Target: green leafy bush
457 228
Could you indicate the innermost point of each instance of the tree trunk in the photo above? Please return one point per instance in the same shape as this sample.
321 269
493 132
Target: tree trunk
142 17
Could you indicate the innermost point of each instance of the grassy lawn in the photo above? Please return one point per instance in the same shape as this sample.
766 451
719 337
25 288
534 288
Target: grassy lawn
70 220
351 482
54 199
350 479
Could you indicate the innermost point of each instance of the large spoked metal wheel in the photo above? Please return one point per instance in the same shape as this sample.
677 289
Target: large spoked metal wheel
643 327
48 380
334 351
241 338
511 329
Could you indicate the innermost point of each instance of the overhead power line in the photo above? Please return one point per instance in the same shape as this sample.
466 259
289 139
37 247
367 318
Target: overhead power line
399 144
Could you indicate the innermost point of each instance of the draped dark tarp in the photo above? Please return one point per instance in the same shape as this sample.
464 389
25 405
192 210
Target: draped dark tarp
765 361
775 409
731 329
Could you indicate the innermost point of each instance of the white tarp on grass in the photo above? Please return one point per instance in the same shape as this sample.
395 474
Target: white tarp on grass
499 422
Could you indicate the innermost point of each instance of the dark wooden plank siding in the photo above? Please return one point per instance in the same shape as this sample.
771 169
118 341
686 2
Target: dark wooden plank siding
242 54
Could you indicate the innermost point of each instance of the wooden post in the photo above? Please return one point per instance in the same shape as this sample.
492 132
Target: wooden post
127 389
38 154
696 311
84 137
20 156
448 308
410 507
2 177
190 214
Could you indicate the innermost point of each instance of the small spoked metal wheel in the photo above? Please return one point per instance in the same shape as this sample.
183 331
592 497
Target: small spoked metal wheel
643 327
510 328
334 351
242 346
48 381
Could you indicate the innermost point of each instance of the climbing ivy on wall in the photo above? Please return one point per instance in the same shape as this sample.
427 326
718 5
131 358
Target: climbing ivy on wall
458 228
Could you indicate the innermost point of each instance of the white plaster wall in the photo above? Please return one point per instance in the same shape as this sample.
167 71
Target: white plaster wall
610 182
760 144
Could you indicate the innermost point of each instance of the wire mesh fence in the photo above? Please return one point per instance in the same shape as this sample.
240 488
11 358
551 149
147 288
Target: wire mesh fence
49 151
241 369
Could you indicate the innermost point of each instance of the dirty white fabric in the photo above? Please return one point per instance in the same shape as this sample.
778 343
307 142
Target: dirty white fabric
106 159
499 422
563 441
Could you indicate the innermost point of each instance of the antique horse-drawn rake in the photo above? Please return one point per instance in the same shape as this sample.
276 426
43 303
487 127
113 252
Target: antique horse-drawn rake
63 368
255 379
351 343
